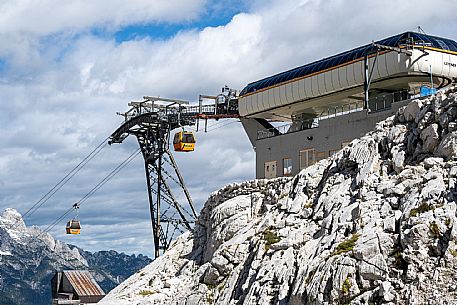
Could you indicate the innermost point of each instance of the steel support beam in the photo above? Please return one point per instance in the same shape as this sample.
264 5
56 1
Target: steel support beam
167 215
151 123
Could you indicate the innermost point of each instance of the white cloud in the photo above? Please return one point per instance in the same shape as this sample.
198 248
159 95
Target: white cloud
192 60
59 96
298 31
53 16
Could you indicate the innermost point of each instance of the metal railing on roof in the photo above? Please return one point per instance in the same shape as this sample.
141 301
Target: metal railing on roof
379 103
303 124
385 101
334 111
272 132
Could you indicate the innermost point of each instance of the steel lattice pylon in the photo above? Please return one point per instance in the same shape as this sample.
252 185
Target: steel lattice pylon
151 122
166 212
151 125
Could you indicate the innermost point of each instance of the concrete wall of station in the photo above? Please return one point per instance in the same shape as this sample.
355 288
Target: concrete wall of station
326 139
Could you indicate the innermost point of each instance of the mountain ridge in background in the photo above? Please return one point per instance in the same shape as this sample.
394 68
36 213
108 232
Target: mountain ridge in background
29 258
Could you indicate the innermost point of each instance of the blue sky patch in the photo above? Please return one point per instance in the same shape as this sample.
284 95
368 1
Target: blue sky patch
3 65
216 15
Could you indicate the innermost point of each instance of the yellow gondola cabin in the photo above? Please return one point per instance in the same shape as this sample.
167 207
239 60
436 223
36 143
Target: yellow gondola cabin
73 227
184 141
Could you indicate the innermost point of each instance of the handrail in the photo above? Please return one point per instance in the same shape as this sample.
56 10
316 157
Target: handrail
378 103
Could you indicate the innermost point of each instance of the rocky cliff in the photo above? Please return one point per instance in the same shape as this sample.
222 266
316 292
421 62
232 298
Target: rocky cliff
373 224
27 263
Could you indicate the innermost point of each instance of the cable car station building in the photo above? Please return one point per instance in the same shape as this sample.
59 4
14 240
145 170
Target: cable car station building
75 287
298 117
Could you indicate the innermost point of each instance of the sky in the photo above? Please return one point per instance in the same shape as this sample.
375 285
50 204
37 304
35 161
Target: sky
67 67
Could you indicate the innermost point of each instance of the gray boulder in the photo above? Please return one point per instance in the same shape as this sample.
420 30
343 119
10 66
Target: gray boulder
430 138
412 110
448 146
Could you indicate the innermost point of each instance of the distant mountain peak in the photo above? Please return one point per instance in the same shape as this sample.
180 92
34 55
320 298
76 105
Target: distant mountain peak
11 218
29 258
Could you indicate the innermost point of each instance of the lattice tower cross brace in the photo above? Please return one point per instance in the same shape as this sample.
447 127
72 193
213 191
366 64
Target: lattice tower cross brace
154 147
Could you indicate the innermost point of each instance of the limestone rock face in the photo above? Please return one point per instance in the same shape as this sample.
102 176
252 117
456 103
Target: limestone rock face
373 224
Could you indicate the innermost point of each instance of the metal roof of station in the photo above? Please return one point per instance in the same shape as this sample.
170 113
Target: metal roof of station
348 56
83 283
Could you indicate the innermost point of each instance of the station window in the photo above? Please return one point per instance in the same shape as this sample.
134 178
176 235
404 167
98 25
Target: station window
333 151
320 155
307 158
270 169
287 166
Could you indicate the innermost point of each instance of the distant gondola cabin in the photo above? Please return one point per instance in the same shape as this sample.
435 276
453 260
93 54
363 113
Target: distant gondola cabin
184 141
73 227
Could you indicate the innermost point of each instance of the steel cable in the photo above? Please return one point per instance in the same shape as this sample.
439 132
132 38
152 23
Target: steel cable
91 192
37 205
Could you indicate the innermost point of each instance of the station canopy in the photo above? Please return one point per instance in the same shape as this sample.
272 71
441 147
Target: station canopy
406 38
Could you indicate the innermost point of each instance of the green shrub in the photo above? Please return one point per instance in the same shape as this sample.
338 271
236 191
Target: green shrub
220 287
434 229
283 195
453 251
270 238
146 292
423 207
346 286
310 276
309 204
346 245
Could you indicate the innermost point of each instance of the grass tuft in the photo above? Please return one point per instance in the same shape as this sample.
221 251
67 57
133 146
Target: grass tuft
270 238
346 286
146 292
434 229
346 246
423 207
309 204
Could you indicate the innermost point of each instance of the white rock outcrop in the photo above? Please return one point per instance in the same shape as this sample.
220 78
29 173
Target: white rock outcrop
373 224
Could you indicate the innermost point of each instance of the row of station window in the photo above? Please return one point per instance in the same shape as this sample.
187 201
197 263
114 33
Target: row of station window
307 157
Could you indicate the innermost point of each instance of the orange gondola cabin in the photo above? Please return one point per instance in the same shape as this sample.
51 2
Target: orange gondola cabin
73 227
184 141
